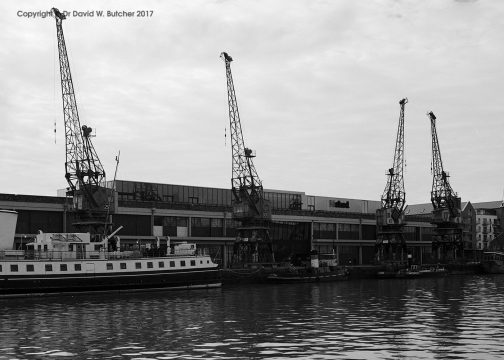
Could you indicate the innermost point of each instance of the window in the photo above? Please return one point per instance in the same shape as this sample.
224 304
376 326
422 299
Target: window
161 264
172 263
0 268
123 266
77 267
138 265
97 247
45 247
193 262
339 204
30 268
48 267
70 247
110 266
149 265
182 262
63 267
14 268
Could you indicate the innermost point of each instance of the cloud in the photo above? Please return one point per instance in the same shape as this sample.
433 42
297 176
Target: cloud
317 82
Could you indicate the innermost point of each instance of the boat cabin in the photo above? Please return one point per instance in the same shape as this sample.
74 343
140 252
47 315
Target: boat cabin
65 246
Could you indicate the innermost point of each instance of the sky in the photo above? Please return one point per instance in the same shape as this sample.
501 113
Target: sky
318 85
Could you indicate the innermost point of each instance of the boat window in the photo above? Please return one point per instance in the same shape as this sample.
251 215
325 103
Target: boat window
14 268
193 262
201 261
0 268
182 262
149 265
48 267
172 263
63 267
161 264
110 266
138 265
123 266
77 267
30 267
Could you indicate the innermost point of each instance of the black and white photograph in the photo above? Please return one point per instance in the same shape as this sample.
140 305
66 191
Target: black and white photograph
239 179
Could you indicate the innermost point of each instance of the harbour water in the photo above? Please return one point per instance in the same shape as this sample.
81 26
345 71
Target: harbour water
455 317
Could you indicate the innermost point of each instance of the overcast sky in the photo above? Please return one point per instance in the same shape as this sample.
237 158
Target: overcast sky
318 85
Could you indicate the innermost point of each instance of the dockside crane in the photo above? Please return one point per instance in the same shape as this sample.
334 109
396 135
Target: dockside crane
447 242
391 245
83 170
250 208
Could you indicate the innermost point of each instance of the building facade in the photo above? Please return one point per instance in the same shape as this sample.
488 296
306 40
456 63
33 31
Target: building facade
486 220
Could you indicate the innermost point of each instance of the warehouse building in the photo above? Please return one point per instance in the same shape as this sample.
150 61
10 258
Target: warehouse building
149 212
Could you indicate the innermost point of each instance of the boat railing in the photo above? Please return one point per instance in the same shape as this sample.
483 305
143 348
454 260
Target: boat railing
57 255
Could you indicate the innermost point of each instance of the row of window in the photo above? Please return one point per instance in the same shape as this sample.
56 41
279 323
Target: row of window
110 266
485 237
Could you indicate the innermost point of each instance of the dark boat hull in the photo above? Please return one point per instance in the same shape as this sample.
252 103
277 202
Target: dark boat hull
22 285
307 277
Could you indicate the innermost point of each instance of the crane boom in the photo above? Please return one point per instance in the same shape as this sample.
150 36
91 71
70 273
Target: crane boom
246 185
83 170
82 163
394 196
442 194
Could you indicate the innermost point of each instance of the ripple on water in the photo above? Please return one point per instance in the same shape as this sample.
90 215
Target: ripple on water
427 319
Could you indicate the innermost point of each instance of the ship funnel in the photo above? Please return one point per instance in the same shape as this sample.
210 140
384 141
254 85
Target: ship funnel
8 221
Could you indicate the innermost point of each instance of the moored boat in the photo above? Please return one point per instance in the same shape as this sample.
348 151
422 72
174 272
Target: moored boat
433 271
74 262
297 274
399 274
414 271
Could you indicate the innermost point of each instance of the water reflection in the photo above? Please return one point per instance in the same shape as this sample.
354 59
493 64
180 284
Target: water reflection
446 318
